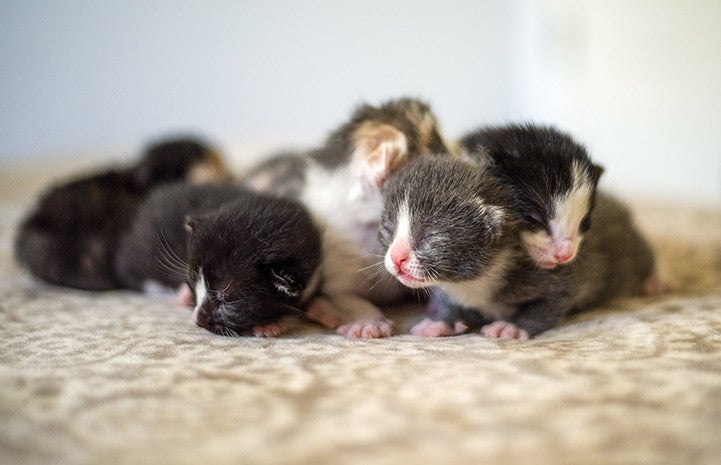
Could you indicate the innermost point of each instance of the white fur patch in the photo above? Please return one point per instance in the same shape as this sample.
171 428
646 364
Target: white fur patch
479 293
412 274
570 209
402 233
201 293
345 204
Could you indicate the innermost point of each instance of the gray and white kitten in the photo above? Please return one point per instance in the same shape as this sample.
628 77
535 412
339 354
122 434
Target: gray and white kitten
450 224
340 184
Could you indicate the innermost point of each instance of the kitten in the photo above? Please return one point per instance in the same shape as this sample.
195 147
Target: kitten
248 259
71 234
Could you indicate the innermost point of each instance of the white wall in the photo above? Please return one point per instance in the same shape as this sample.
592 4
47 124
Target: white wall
637 81
89 74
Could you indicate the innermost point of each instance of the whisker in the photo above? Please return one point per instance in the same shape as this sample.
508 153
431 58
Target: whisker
169 252
232 332
372 265
170 264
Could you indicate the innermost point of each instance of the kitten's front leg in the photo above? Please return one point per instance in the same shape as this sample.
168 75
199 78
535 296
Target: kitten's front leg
446 318
530 320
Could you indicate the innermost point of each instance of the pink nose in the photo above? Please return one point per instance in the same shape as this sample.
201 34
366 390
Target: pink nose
400 252
564 250
201 316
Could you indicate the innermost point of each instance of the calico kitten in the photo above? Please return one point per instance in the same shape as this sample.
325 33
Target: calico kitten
451 224
340 184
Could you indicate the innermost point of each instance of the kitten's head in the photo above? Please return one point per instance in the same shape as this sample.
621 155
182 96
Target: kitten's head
443 221
382 139
554 183
176 160
251 263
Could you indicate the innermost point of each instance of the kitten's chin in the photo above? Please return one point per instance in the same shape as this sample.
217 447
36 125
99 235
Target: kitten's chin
412 282
547 265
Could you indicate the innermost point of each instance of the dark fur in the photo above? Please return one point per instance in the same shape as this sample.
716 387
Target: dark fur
457 245
448 226
257 253
533 162
70 236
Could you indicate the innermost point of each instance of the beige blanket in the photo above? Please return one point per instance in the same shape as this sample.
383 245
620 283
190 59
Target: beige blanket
122 378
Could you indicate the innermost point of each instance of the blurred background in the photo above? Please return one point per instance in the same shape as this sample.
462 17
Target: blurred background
639 82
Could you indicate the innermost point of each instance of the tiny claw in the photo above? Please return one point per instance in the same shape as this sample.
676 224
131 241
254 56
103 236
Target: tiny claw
269 330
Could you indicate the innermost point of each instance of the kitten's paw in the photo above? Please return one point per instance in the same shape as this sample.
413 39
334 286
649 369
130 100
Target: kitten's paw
269 330
432 328
321 311
185 296
504 330
367 329
655 286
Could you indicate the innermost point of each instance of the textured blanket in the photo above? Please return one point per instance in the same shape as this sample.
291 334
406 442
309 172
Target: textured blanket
122 378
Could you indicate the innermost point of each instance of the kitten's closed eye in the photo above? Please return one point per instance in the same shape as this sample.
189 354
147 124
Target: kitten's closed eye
535 219
585 224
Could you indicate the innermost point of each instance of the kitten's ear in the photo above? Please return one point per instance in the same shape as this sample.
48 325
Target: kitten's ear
494 219
285 281
596 172
381 148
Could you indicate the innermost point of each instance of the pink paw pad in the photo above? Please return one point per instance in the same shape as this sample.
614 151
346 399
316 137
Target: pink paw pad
504 330
432 328
367 329
269 330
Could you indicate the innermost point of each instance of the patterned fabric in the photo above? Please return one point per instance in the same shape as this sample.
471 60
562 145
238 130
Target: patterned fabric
122 378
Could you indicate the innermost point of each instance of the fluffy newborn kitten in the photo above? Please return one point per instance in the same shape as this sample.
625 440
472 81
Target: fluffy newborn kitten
249 259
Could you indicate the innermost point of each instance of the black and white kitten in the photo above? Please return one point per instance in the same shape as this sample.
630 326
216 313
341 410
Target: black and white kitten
248 259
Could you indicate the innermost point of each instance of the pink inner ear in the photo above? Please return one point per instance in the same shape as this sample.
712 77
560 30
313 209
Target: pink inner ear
383 148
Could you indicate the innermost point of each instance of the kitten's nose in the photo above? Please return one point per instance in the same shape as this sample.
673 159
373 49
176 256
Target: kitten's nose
201 316
400 252
564 250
